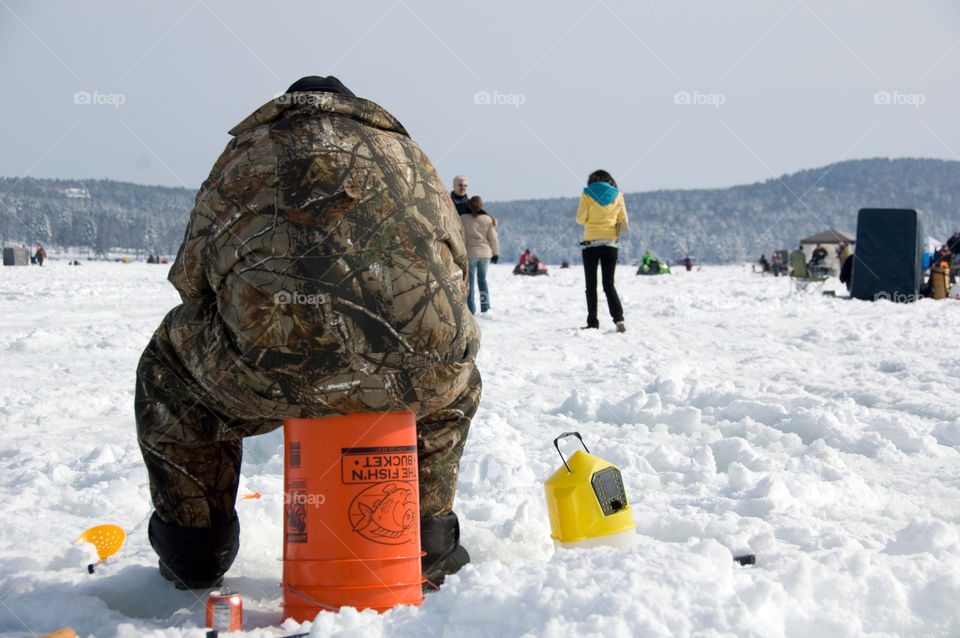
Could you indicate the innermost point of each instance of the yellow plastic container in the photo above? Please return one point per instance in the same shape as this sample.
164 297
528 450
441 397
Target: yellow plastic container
587 502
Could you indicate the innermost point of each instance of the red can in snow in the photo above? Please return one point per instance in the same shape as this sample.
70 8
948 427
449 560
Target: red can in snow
225 611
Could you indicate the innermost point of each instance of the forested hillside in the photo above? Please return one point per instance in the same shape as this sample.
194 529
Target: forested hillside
99 215
739 223
711 225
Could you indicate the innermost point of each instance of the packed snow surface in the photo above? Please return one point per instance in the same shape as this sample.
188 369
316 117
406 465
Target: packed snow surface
818 433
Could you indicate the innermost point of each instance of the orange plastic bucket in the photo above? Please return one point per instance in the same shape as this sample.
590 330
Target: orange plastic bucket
351 514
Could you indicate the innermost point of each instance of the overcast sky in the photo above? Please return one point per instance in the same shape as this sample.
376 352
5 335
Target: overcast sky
525 98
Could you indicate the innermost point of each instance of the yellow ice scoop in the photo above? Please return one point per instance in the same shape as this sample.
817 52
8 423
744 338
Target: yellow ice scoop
106 538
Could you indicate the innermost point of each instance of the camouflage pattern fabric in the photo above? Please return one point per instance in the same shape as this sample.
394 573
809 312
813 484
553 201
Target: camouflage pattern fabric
323 273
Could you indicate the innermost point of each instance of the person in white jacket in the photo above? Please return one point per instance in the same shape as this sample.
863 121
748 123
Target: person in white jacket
483 248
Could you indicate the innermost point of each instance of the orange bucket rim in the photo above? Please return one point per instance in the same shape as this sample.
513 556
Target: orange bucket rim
313 609
351 417
385 587
328 561
307 601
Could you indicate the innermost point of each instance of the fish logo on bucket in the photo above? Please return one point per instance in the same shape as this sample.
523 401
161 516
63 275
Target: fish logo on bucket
385 512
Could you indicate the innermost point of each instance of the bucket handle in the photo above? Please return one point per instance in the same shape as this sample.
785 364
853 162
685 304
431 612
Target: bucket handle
310 600
556 444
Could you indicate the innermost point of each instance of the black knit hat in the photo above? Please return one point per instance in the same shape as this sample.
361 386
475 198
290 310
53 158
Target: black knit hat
317 83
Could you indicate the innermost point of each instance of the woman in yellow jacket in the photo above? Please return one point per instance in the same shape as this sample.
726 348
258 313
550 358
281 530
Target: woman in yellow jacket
601 210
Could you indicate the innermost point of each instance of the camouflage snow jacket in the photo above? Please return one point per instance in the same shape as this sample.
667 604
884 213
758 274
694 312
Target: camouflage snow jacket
336 263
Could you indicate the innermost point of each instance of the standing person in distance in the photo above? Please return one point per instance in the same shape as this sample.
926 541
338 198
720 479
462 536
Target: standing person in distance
603 216
461 200
483 247
459 195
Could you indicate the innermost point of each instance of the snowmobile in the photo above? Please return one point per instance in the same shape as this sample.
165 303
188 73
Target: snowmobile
653 266
532 268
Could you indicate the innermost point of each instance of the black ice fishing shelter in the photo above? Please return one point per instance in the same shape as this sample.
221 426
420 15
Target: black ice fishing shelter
888 263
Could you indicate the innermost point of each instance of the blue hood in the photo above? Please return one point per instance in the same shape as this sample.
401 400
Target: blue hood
602 192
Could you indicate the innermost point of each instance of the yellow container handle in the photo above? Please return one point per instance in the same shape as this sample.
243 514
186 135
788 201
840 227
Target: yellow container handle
556 444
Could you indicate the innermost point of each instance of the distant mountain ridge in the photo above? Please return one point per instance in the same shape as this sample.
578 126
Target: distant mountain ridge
739 223
720 225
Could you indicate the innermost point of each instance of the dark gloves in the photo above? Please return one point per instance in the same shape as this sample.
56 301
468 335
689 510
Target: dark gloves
495 259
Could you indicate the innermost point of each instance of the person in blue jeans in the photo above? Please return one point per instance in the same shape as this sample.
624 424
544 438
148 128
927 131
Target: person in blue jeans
483 248
602 214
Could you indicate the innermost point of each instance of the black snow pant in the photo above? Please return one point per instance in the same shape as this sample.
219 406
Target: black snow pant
606 257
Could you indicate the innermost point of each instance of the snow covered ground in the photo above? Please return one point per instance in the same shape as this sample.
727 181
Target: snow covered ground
818 433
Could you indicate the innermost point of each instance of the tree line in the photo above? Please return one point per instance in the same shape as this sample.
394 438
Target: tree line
99 215
726 225
737 224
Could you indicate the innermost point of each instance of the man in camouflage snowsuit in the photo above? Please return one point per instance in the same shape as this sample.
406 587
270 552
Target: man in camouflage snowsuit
323 273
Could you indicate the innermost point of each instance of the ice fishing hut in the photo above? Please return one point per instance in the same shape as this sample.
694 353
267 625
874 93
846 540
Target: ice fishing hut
16 256
889 259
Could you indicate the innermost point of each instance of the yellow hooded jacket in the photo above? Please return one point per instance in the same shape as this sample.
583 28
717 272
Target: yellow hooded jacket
600 220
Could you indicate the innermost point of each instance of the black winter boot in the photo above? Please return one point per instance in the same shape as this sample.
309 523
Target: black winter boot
194 557
440 539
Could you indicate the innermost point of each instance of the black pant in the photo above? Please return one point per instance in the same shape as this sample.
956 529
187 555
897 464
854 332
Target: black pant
606 256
